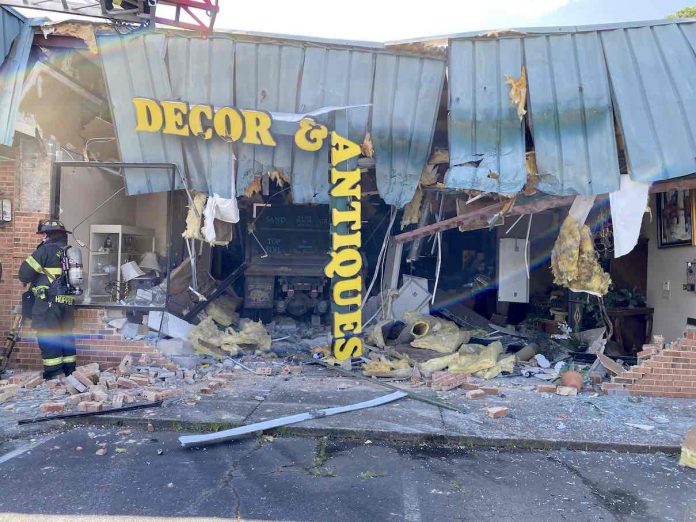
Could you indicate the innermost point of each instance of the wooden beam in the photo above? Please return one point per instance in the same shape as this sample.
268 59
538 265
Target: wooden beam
675 184
475 216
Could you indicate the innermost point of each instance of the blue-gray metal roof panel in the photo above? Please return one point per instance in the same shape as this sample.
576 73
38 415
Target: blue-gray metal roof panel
406 100
571 115
577 81
134 66
652 72
486 136
12 72
278 78
10 25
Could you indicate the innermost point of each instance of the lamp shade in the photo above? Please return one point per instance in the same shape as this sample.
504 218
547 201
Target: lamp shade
131 270
150 262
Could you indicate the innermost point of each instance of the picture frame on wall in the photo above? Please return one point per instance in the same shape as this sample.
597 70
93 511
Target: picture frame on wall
676 210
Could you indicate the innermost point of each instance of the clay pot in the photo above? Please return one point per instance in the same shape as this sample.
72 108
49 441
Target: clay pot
573 379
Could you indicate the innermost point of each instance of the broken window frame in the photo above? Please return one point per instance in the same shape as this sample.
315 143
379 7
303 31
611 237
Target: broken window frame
56 174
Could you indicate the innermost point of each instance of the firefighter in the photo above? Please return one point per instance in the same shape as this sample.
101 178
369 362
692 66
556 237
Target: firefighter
52 312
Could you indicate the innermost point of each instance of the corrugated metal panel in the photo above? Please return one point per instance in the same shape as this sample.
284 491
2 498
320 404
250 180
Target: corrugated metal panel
486 136
571 114
653 76
12 74
577 80
210 163
134 66
330 77
267 78
10 26
406 101
276 78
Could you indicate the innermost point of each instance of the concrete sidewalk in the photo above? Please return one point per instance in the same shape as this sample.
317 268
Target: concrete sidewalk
536 420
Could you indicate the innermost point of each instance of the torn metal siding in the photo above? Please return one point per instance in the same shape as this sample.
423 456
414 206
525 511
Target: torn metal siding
395 97
578 78
12 72
571 115
134 66
406 101
293 79
267 78
486 135
210 163
10 26
653 76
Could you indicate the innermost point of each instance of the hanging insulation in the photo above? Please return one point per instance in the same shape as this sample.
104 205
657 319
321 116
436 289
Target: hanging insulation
574 262
194 218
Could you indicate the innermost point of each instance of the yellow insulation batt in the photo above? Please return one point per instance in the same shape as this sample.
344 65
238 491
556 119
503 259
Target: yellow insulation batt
383 367
433 333
194 218
574 262
482 361
688 452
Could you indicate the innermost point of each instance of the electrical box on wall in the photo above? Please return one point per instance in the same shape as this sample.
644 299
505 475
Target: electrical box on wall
513 278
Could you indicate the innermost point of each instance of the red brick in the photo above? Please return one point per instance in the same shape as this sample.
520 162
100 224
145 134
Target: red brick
475 394
53 407
90 406
158 394
122 382
497 412
546 388
444 381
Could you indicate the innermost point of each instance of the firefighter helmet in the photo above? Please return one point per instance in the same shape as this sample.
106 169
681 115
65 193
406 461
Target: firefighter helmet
50 225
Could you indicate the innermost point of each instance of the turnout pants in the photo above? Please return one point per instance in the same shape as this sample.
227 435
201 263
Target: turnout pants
53 323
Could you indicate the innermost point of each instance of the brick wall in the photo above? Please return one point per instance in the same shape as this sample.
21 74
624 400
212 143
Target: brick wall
96 341
663 371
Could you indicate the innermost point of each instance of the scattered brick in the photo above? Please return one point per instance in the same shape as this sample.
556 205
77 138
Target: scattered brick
497 412
8 391
75 385
158 394
566 391
444 381
91 371
53 407
90 406
125 364
123 382
546 388
82 379
99 396
37 380
266 371
74 400
475 394
291 370
490 390
117 401
140 380
206 390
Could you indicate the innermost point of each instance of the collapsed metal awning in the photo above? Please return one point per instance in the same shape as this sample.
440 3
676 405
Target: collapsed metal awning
577 79
393 96
16 36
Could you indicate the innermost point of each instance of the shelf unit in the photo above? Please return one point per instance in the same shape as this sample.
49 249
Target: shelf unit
127 244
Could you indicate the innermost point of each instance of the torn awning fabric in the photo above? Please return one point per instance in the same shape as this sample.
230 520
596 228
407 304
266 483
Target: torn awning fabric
572 74
393 96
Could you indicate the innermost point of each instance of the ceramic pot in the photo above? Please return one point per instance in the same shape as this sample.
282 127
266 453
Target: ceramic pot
573 379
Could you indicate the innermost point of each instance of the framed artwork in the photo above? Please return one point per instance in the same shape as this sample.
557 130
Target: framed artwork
676 210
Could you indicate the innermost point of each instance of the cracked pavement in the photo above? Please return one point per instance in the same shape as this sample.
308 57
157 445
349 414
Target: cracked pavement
295 478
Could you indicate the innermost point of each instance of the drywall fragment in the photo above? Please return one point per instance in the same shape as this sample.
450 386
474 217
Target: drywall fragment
169 324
